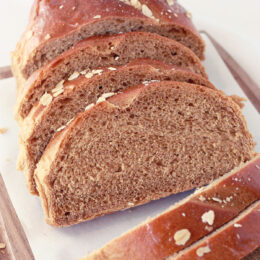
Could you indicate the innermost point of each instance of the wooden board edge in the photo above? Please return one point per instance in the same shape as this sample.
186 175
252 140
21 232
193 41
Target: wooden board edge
12 233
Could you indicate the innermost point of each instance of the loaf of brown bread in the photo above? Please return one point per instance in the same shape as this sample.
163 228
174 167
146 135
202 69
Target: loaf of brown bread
234 240
55 26
157 238
102 52
145 143
56 109
163 129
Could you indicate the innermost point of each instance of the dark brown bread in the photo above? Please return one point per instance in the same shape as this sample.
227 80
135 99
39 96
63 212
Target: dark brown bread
154 239
233 241
55 26
75 95
102 52
143 144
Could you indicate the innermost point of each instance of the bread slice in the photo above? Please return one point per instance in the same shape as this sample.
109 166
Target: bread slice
75 95
234 240
103 52
54 28
226 198
143 144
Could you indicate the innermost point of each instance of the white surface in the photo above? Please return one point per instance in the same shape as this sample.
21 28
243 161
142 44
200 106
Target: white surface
74 242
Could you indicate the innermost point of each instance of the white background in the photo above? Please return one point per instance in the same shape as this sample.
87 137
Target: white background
234 23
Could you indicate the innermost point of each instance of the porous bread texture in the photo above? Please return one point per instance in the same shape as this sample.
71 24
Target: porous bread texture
42 41
143 144
105 51
75 95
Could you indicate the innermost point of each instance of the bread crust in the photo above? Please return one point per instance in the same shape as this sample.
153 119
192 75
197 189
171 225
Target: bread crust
98 52
235 240
40 115
138 242
76 20
45 176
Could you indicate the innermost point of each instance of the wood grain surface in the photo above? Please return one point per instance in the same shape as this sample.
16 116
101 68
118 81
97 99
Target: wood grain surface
5 72
250 88
11 230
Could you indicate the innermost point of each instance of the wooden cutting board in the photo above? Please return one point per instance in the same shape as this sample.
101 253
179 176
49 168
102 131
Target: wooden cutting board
12 235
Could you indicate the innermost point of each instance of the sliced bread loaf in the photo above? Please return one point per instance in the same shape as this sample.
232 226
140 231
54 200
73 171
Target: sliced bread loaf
55 110
56 26
160 237
234 240
143 144
102 52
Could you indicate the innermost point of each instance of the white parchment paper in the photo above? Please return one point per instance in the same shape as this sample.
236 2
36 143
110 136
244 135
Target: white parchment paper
75 242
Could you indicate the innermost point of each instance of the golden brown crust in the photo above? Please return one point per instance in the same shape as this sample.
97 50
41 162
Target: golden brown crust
233 241
155 238
73 18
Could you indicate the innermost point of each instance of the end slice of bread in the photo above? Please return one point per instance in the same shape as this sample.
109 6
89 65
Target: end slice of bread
143 144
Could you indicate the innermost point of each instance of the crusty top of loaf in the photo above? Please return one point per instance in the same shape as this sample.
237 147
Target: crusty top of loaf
234 240
69 14
52 20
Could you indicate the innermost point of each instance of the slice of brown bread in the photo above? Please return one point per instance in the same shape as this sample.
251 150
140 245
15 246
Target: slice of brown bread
102 52
234 240
143 144
155 239
75 95
55 27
